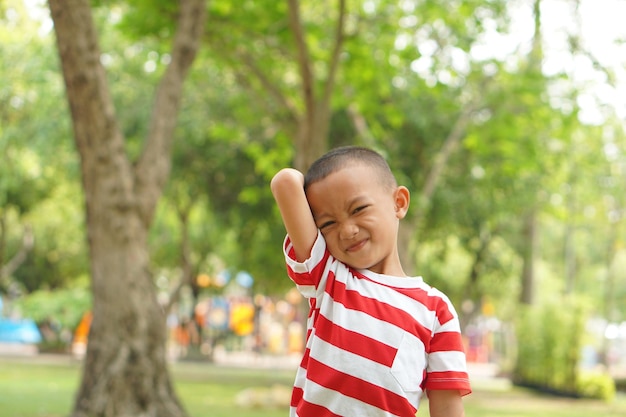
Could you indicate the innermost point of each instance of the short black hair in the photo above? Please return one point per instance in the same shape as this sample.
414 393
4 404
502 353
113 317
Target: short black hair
338 158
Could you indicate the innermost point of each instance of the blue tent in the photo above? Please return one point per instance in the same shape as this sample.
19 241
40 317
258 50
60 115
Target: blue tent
19 331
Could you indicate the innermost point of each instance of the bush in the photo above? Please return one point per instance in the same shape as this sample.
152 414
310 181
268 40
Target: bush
550 338
596 385
57 313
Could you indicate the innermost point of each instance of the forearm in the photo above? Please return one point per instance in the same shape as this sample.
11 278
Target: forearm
445 403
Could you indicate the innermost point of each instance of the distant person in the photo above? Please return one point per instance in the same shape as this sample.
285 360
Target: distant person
376 339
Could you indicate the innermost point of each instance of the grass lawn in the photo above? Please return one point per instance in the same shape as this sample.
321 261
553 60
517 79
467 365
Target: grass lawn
31 387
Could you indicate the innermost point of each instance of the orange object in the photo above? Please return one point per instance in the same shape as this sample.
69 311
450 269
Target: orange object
82 330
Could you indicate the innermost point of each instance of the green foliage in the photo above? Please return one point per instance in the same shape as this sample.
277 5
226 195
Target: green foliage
550 338
59 257
549 341
38 162
61 308
145 17
406 71
30 87
597 385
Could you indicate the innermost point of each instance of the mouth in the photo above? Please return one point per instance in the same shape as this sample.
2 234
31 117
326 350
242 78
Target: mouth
357 246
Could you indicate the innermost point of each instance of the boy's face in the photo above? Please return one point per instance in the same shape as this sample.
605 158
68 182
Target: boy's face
358 218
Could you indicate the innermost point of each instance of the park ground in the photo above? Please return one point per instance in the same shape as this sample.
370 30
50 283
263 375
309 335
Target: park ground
246 385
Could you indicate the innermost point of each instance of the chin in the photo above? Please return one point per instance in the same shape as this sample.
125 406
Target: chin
363 265
355 265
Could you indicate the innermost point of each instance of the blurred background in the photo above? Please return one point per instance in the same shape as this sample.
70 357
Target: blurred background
505 119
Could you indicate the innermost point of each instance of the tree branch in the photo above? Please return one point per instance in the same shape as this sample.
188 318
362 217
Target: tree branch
28 241
407 232
97 136
270 86
304 59
449 145
186 277
153 166
360 124
336 56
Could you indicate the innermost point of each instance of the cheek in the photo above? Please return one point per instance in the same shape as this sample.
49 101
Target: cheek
329 237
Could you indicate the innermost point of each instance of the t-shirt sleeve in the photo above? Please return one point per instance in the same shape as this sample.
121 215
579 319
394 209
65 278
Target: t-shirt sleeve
307 275
447 368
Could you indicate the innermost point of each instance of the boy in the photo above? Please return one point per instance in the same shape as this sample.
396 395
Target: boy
376 339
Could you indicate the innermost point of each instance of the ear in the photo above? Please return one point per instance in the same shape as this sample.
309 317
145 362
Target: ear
402 198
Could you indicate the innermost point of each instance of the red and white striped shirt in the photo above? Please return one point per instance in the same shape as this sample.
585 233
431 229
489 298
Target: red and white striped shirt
374 342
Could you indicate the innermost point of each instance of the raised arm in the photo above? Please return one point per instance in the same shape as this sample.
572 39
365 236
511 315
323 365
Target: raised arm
288 189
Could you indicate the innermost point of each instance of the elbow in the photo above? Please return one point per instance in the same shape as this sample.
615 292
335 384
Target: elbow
287 179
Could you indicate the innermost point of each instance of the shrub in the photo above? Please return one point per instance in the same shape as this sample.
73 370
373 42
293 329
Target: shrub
550 339
56 312
596 385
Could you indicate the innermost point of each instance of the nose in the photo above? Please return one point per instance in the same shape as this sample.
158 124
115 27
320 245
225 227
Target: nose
348 230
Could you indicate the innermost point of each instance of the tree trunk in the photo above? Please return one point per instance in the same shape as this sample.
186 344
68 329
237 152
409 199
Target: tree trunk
125 371
471 291
529 232
311 139
527 293
313 125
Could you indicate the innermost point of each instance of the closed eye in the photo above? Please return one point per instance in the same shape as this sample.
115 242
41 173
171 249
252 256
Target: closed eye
326 224
359 209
